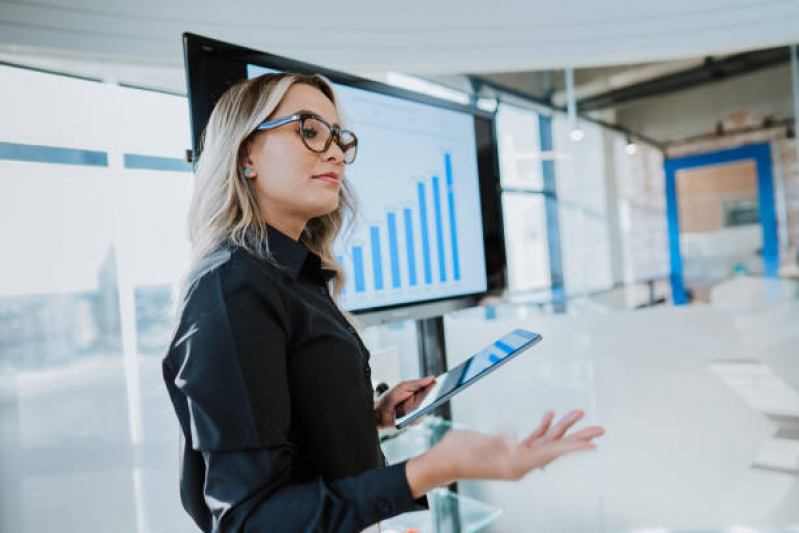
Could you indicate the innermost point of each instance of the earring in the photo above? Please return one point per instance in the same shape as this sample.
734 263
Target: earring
247 171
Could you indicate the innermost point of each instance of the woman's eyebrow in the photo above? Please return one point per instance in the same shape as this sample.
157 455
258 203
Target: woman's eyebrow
309 112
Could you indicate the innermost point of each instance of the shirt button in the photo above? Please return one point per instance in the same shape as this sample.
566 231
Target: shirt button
383 506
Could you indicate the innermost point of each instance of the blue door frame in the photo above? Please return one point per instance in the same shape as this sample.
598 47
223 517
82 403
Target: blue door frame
761 154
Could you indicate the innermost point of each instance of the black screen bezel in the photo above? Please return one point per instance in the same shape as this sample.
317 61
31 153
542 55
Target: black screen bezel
213 66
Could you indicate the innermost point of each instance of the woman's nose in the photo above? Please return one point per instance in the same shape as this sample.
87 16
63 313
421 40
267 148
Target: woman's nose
334 153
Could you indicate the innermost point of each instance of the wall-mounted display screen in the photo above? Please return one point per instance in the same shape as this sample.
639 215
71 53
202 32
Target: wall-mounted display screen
428 226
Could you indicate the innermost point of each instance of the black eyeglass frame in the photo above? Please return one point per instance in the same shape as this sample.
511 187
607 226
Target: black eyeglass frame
334 133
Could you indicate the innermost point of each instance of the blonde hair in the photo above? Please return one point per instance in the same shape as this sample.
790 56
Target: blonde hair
224 206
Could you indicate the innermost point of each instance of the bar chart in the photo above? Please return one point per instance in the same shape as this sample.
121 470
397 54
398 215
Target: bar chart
412 248
429 225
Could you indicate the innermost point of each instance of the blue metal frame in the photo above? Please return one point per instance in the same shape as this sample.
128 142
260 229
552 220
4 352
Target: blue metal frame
761 154
553 219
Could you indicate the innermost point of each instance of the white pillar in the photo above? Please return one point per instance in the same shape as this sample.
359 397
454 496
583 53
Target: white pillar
575 133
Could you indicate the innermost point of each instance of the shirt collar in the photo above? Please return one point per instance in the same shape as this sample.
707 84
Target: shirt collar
295 256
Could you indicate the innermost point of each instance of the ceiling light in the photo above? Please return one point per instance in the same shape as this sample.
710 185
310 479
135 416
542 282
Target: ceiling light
631 147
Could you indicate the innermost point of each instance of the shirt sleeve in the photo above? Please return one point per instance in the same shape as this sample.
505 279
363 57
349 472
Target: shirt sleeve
234 377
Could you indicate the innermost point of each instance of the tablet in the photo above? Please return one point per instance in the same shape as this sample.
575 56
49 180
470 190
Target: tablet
479 365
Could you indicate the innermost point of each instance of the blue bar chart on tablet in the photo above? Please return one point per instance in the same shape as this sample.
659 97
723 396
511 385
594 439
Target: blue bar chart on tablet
417 234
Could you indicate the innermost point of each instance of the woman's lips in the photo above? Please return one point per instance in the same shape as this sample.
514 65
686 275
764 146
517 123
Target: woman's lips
329 177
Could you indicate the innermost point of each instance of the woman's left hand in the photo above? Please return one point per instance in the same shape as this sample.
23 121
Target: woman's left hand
401 399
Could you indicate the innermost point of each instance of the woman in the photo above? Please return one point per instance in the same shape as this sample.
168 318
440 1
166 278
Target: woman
269 379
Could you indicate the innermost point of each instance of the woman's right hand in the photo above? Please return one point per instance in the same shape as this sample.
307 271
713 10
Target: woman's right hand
474 455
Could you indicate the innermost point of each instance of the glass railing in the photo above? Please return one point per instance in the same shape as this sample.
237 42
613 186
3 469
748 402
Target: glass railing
449 511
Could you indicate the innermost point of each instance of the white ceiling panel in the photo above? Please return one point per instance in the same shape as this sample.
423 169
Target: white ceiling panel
414 35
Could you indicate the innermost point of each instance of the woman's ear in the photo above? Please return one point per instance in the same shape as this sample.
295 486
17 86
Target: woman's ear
245 161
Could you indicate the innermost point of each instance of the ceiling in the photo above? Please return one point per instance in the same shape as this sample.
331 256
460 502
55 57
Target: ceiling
411 36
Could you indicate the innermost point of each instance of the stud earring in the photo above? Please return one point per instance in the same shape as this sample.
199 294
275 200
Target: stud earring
247 171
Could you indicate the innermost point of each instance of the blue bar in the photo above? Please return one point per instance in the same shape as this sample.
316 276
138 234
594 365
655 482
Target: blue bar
456 269
504 347
442 268
377 261
409 245
428 276
357 262
493 359
678 294
392 246
149 162
34 153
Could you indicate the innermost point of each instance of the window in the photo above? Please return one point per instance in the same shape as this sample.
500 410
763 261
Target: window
523 199
93 201
642 212
582 207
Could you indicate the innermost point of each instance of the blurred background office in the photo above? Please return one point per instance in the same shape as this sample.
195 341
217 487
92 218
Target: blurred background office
650 194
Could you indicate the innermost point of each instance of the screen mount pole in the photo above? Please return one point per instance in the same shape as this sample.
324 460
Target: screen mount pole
433 362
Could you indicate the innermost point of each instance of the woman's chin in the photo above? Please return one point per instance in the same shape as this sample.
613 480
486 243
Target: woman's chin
325 208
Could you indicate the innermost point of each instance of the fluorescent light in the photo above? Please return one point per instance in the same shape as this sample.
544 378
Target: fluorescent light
427 87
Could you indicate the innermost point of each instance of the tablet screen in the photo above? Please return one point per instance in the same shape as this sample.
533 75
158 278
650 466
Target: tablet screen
453 381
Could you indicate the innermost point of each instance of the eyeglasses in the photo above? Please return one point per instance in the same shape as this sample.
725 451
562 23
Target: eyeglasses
317 134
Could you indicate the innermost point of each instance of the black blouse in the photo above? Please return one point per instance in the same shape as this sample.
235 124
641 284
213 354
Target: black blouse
272 389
